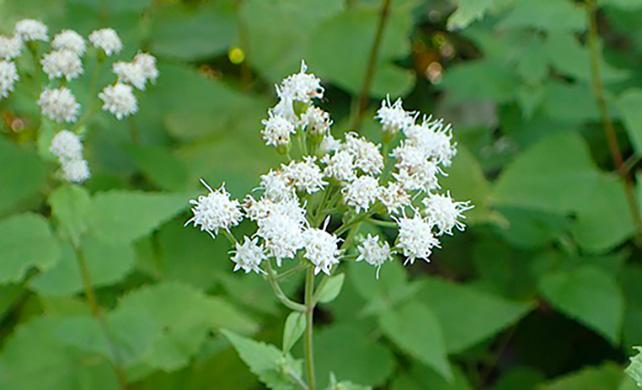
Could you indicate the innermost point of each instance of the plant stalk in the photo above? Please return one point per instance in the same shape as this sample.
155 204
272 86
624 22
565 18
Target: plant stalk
309 314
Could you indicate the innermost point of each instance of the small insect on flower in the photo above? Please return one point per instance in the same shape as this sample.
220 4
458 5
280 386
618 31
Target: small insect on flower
374 252
215 211
445 213
10 47
107 40
31 30
66 146
69 40
59 105
8 78
119 99
62 63
248 256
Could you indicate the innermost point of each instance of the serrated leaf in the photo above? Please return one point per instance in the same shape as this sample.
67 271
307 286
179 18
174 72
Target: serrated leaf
125 216
634 369
546 15
272 367
293 330
469 11
458 307
331 289
25 241
606 377
69 205
589 295
415 329
22 174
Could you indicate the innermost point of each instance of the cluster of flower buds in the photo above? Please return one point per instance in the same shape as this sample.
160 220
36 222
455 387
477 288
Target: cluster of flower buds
353 180
62 64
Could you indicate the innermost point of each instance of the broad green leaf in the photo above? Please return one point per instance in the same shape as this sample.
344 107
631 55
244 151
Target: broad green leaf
185 316
420 377
273 368
469 11
348 352
25 242
331 289
629 104
606 377
554 175
634 369
569 103
546 15
125 216
623 4
458 307
630 279
416 330
70 205
21 176
293 330
161 167
588 295
485 79
520 378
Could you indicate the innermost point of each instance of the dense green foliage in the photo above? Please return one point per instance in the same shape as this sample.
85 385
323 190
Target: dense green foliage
544 290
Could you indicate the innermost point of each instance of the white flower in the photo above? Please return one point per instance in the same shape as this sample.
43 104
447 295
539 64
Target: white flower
66 146
215 211
282 236
394 198
257 210
285 109
62 63
130 73
106 39
10 47
415 238
31 30
277 130
8 78
75 171
434 138
148 63
59 105
361 193
69 40
248 256
393 117
374 252
302 87
366 154
329 144
276 186
316 121
444 212
305 175
119 99
340 166
321 248
415 170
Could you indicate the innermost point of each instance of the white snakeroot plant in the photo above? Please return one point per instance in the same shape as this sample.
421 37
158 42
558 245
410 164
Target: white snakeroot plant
8 78
69 40
107 40
306 213
62 63
31 30
59 105
119 99
10 47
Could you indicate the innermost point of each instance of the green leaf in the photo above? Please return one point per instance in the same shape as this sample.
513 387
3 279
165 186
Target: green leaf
293 330
485 79
634 369
606 377
623 4
332 289
186 316
470 10
272 367
161 167
468 315
22 174
25 241
546 15
416 330
125 216
420 377
629 104
589 295
347 351
630 279
520 378
69 205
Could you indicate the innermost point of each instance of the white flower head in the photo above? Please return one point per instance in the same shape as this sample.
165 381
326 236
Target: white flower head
106 39
69 40
302 86
248 256
374 252
31 30
393 117
130 73
316 121
282 235
367 156
306 176
8 77
394 198
148 63
361 193
329 144
415 238
445 213
322 249
415 170
257 210
119 99
277 130
277 186
10 47
435 139
66 145
215 211
340 166
76 171
59 105
62 63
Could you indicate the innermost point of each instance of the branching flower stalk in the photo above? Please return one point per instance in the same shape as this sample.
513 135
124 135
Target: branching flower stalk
310 209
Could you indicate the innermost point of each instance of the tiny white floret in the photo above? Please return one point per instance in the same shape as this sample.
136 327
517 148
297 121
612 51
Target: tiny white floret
119 99
107 40
248 256
215 211
59 105
69 40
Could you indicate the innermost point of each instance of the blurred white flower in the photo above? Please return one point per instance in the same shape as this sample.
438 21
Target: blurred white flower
277 130
106 39
76 171
305 175
130 73
10 47
316 121
276 186
119 99
215 211
69 40
340 166
394 198
8 78
62 63
148 63
415 238
434 139
66 145
248 256
31 30
445 213
59 105
374 252
329 144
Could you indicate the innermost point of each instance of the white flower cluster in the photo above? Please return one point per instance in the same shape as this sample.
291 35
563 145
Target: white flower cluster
68 147
347 177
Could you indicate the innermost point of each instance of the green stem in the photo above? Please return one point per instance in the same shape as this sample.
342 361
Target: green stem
309 328
377 222
292 271
287 302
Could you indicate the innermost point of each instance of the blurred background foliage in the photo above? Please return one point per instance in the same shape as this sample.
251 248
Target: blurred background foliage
544 291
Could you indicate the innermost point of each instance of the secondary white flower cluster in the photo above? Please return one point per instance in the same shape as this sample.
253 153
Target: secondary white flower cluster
68 147
348 180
